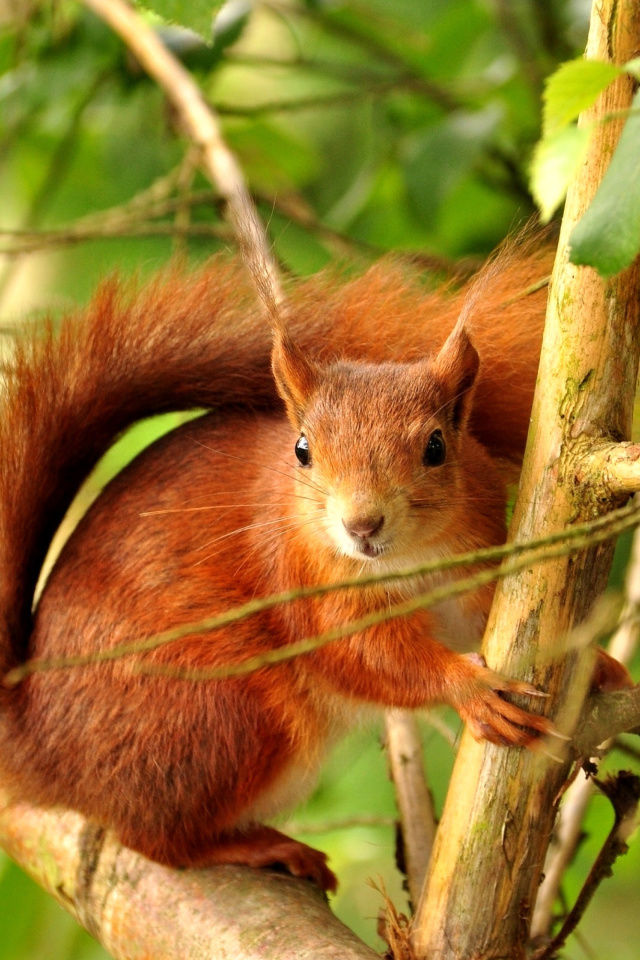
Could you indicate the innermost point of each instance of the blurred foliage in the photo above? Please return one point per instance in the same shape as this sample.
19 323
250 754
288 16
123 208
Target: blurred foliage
363 126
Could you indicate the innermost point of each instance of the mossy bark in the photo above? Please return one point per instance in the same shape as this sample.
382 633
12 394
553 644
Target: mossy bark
138 909
501 805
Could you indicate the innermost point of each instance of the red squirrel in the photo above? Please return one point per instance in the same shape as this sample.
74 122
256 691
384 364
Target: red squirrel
388 450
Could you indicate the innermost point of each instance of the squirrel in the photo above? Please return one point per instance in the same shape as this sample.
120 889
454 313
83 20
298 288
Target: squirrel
375 432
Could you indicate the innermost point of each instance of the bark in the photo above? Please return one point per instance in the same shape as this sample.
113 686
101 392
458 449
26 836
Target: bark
138 909
413 797
501 804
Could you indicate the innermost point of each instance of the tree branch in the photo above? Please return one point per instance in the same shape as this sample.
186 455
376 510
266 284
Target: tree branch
501 804
605 716
133 906
30 241
517 556
624 792
415 804
611 469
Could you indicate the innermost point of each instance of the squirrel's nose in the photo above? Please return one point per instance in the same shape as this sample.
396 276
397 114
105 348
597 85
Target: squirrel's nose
363 526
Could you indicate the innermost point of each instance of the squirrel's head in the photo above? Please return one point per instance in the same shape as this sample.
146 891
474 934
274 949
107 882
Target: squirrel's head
381 446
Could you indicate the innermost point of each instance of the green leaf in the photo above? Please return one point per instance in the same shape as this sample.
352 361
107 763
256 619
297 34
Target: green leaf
608 235
196 15
554 161
571 89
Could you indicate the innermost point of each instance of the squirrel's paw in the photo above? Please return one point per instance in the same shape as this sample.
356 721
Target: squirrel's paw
303 861
490 717
261 846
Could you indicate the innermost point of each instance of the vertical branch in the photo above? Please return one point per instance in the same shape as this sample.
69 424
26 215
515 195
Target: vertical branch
417 816
623 790
499 814
203 128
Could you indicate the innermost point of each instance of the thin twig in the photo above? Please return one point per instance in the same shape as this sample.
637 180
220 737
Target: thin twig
55 173
434 720
300 827
380 52
30 242
413 797
576 799
132 219
203 129
186 174
569 542
374 88
624 792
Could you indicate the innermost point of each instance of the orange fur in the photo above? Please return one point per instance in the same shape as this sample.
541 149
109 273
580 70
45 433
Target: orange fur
184 772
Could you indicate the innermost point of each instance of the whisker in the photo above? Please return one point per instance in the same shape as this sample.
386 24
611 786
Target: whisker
295 474
224 506
443 405
276 534
248 526
448 501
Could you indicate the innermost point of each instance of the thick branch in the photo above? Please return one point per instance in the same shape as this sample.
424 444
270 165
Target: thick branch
501 804
605 716
135 907
576 798
611 469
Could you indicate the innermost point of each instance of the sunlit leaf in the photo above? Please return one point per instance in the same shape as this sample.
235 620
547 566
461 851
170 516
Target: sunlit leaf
554 161
608 235
197 15
572 89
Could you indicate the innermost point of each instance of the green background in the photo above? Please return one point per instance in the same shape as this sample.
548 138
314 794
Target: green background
362 127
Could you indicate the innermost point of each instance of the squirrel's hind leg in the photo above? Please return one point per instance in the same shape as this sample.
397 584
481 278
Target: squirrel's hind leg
260 846
255 846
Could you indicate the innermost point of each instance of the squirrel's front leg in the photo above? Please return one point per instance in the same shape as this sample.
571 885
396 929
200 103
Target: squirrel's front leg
399 664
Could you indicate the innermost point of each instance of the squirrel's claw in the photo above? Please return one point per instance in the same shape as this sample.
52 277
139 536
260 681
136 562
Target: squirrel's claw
491 717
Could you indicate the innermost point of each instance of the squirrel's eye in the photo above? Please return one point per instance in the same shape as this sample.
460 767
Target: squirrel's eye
435 451
302 451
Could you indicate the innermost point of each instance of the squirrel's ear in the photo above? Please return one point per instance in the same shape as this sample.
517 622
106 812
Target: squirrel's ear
456 368
296 377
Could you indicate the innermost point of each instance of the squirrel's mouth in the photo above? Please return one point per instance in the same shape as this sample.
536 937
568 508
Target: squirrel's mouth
369 548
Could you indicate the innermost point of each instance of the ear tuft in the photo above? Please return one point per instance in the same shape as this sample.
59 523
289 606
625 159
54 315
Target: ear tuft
296 377
456 369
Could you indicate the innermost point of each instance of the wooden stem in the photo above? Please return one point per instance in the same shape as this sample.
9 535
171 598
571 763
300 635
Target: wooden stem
501 806
415 805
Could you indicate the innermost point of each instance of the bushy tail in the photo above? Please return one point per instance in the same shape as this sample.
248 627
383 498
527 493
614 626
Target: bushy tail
180 342
201 340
